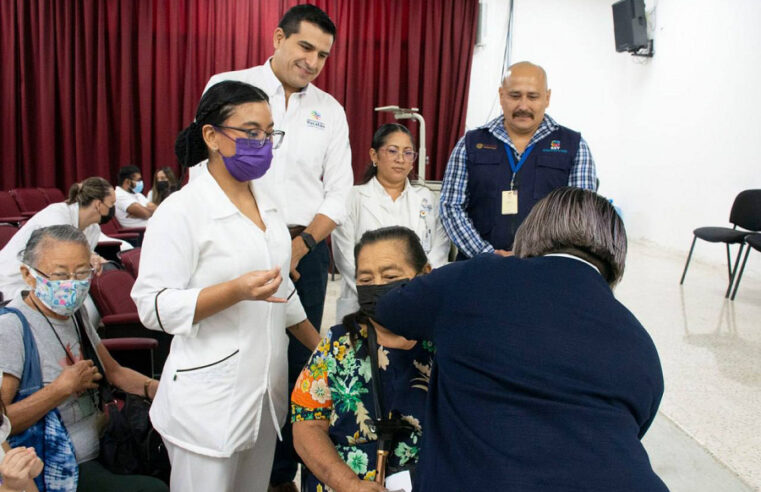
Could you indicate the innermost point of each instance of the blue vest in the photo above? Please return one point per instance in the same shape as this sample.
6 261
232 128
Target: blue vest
489 174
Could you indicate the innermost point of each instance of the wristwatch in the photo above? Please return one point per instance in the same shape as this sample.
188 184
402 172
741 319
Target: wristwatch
308 240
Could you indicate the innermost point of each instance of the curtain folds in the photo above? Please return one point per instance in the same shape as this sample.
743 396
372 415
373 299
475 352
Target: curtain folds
87 86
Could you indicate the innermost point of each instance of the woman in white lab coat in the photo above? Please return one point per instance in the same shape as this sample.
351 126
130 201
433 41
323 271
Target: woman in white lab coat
210 274
387 198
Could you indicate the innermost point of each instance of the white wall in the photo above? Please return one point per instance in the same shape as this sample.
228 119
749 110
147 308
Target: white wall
676 137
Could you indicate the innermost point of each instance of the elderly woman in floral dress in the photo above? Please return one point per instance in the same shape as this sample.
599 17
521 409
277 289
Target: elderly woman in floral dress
333 402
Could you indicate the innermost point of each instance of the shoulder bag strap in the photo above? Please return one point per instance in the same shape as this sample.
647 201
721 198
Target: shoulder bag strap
31 378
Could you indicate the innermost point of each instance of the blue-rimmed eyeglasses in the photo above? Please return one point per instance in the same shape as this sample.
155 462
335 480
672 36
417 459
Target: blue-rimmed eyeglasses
258 137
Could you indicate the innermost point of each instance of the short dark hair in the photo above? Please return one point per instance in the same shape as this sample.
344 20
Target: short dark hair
126 172
291 21
84 193
578 222
216 105
379 140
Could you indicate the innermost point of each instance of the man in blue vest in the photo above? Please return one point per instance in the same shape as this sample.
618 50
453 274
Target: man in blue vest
497 172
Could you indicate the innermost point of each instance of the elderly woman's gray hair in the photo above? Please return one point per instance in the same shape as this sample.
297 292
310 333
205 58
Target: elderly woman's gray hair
578 222
44 236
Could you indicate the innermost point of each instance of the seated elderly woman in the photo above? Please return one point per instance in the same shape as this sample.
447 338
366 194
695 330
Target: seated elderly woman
336 400
543 380
18 466
48 380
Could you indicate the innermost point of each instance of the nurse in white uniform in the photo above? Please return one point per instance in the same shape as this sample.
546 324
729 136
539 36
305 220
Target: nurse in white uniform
211 275
386 198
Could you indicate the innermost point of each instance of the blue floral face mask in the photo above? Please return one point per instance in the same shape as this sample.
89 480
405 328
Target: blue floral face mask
63 297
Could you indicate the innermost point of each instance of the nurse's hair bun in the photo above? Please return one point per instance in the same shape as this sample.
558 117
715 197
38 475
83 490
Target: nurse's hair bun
217 104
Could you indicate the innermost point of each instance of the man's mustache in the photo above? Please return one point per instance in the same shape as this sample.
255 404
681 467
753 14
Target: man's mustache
519 114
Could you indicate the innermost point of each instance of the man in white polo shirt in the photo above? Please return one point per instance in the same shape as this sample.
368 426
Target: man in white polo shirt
311 173
132 207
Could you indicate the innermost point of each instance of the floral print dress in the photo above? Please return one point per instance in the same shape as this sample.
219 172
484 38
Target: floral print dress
336 385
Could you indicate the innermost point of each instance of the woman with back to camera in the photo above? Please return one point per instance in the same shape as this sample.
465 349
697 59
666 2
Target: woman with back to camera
387 198
210 274
164 184
90 203
543 381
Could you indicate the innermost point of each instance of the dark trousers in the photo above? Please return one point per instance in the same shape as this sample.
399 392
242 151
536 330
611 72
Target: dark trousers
93 477
311 287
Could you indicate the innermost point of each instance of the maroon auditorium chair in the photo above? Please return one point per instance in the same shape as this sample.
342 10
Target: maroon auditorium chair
131 261
53 195
9 211
111 293
111 229
30 200
6 233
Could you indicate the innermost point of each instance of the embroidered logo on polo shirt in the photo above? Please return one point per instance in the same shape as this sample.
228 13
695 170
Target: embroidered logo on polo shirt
314 120
480 146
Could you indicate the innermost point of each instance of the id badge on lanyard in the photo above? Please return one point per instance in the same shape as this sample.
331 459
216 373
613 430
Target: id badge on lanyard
510 197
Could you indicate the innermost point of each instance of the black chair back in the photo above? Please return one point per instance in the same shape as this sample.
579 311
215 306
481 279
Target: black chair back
746 210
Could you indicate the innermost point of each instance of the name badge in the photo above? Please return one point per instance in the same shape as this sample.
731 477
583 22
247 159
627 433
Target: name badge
510 202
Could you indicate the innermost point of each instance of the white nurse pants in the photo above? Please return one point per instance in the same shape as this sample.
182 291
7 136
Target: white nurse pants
244 471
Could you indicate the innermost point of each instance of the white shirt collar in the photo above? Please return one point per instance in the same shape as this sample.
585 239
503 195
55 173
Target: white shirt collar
272 84
566 255
377 187
220 205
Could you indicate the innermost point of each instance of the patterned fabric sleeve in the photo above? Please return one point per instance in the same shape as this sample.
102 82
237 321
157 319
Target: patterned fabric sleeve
311 398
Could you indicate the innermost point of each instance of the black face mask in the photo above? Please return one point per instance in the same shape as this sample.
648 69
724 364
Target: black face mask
162 186
110 215
368 295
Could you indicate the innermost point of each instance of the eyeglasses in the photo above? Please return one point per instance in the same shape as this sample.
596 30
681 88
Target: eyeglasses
259 137
408 155
58 276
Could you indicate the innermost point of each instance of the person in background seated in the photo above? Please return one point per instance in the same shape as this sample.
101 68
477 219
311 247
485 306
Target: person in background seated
333 402
387 198
132 207
543 381
56 267
164 184
18 466
90 204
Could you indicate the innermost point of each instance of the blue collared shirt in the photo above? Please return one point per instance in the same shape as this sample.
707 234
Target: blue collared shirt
454 189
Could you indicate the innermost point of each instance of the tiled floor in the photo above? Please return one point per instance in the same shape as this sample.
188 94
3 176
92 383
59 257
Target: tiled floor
707 437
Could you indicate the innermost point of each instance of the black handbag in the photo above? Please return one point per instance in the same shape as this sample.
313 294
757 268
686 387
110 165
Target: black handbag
129 445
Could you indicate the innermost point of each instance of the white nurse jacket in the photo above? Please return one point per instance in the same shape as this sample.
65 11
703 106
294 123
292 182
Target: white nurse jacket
370 207
221 370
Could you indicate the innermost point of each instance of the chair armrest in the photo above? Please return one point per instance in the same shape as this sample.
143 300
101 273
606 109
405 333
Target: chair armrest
132 230
121 319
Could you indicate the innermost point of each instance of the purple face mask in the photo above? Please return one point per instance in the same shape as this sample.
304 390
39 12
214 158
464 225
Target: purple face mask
249 162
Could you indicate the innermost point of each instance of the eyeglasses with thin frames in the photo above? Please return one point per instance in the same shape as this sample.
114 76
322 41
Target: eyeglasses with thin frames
393 153
59 276
258 137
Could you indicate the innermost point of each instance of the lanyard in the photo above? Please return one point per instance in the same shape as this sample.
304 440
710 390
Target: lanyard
511 160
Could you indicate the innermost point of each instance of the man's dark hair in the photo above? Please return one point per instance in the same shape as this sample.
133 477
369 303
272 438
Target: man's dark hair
126 172
291 21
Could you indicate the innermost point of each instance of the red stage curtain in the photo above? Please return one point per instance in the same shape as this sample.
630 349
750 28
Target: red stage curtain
87 86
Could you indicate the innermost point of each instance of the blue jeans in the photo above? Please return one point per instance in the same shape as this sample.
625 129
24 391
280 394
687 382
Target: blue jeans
311 287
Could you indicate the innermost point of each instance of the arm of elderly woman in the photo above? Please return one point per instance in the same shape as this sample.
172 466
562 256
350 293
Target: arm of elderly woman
18 469
312 442
24 413
124 378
